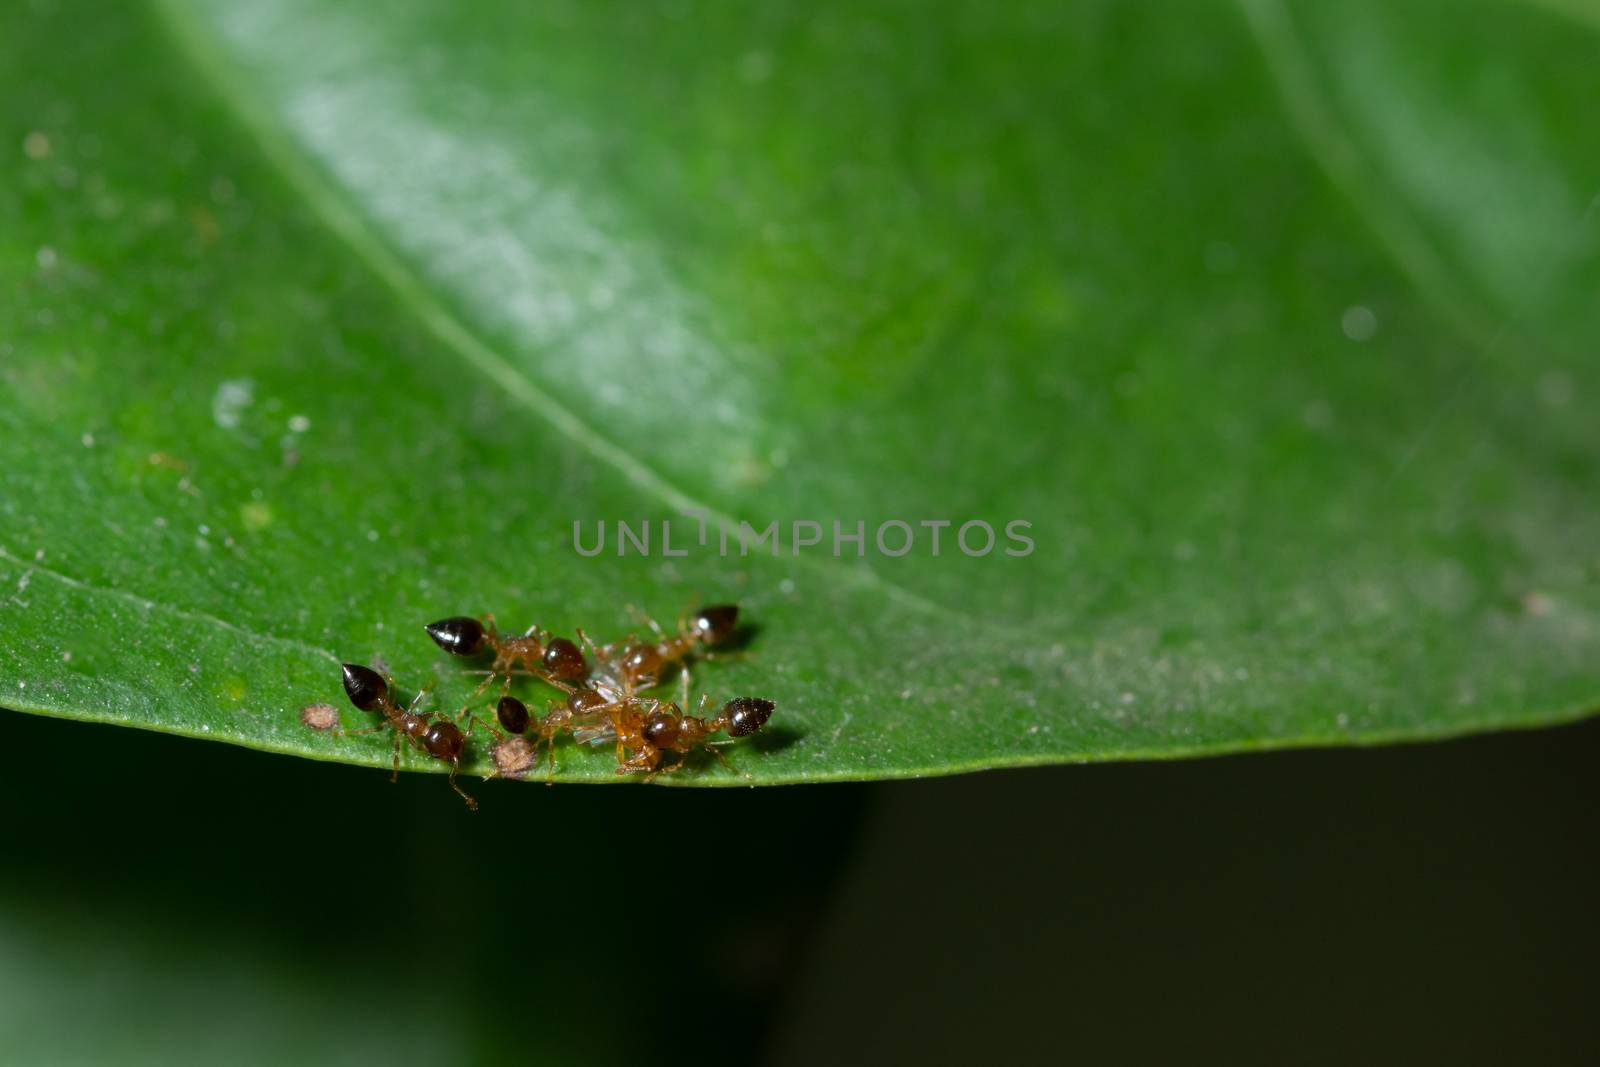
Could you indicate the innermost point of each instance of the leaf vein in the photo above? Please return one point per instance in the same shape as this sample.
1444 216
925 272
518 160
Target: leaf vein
147 604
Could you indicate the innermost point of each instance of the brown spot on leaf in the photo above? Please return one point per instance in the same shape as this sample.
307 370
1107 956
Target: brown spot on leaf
320 716
513 756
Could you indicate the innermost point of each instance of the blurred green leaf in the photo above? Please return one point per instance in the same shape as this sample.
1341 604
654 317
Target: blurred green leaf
1275 321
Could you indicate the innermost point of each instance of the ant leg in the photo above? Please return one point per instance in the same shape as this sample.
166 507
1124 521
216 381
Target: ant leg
687 679
594 652
464 713
486 683
499 739
424 691
640 616
550 758
501 666
715 751
356 733
647 760
394 775
455 768
668 768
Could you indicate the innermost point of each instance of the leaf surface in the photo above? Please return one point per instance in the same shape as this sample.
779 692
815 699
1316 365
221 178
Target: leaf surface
1274 323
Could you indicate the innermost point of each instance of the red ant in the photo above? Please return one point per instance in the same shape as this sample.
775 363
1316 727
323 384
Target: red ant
439 738
651 729
639 664
555 659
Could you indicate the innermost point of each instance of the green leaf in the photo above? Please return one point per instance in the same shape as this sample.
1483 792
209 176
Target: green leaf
1274 321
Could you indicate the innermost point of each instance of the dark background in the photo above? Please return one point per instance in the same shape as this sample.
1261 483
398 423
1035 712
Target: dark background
166 900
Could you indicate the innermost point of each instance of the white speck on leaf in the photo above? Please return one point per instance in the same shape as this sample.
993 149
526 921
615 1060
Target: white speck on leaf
1535 604
1359 322
755 67
230 400
1555 389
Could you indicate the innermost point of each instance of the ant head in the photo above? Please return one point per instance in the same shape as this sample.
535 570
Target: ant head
443 740
365 687
746 715
458 635
513 714
661 729
715 623
563 660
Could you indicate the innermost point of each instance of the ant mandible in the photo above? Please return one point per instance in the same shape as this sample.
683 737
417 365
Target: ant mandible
439 738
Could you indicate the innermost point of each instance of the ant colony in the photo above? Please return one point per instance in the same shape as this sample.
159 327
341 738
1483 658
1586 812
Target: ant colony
602 702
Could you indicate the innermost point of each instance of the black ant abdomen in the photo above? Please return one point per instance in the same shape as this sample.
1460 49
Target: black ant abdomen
513 714
746 715
715 623
458 635
365 687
